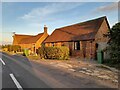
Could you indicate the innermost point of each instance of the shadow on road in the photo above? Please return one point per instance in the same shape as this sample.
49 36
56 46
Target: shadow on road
23 71
20 58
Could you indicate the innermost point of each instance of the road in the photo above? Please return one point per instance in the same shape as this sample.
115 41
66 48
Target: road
22 71
19 72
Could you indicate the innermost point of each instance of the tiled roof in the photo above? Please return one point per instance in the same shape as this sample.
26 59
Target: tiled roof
19 37
26 39
81 31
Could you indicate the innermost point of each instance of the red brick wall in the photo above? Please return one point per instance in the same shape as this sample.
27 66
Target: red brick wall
89 49
99 37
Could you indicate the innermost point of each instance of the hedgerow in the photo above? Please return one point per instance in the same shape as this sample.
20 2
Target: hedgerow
15 48
61 53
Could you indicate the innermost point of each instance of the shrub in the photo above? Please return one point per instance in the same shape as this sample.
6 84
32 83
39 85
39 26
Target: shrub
41 51
15 48
114 43
54 52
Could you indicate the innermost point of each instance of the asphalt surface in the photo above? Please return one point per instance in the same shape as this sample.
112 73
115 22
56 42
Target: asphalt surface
34 75
25 78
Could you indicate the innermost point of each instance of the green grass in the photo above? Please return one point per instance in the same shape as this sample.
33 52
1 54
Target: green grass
34 57
10 53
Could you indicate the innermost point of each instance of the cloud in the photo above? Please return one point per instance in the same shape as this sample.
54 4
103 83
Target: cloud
47 11
107 8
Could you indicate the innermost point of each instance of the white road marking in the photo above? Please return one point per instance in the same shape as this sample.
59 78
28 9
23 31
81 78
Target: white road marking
16 82
2 61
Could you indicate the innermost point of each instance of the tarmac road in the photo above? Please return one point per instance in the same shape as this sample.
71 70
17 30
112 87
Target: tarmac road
25 78
19 72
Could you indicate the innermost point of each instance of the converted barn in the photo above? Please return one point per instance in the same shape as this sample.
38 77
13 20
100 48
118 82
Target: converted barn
83 39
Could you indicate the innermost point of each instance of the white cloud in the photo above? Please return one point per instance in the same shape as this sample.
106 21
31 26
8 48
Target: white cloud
46 12
107 8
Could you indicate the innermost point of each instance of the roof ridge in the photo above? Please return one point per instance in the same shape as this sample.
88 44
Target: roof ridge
23 35
83 22
29 35
39 34
85 31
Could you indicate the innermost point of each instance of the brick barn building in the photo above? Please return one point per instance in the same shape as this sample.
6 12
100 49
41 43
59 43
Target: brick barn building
31 42
83 39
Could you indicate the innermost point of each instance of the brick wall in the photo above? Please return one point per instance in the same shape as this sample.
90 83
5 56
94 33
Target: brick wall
89 49
99 37
101 40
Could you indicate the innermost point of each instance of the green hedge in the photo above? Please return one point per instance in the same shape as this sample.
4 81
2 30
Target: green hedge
15 48
61 53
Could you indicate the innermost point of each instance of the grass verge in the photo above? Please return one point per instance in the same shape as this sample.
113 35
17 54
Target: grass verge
34 57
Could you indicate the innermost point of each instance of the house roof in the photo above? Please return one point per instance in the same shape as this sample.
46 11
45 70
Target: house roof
80 31
26 39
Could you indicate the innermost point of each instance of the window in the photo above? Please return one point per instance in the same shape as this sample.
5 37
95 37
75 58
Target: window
77 45
52 44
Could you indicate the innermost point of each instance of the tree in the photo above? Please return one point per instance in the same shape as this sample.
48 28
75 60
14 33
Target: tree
114 43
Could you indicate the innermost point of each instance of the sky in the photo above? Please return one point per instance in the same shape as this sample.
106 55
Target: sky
30 17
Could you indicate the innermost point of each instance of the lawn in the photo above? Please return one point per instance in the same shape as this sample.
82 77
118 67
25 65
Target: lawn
34 57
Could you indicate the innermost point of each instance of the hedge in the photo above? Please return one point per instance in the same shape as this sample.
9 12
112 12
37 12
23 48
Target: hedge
15 48
60 53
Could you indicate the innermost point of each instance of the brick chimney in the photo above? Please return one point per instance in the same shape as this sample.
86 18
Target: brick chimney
45 29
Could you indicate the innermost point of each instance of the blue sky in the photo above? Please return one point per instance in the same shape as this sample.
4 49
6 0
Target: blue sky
30 17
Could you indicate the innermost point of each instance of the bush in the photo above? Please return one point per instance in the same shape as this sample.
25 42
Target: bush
41 52
114 43
15 48
54 52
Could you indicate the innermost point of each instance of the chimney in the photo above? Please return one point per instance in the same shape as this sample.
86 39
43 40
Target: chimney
45 29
